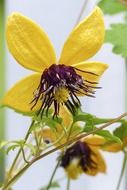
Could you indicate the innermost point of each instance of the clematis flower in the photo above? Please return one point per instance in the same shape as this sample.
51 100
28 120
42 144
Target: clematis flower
84 157
56 82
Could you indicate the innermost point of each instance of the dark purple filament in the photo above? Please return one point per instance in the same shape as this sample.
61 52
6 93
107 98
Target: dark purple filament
55 77
81 151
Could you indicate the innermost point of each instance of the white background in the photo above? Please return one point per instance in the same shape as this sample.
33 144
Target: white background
57 18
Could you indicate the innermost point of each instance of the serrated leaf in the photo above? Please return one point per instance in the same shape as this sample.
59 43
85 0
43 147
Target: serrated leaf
12 147
19 142
112 6
117 36
54 184
121 131
109 136
3 144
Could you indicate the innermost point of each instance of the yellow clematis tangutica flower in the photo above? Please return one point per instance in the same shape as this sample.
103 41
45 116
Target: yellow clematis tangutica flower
84 157
56 82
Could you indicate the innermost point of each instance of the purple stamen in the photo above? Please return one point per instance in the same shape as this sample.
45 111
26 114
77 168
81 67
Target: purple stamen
61 76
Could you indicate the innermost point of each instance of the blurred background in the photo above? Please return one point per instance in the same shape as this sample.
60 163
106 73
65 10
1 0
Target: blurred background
57 18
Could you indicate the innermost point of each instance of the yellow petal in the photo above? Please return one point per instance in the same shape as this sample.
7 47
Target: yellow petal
21 94
100 165
94 141
114 147
85 40
97 157
66 116
95 67
28 43
73 169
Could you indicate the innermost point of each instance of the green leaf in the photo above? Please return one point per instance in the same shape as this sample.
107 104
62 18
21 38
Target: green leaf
3 144
12 147
86 117
83 117
121 131
117 36
112 6
46 121
54 184
107 135
88 128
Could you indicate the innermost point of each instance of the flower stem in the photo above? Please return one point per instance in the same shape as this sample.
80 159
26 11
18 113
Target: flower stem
81 12
2 87
24 157
59 159
126 85
122 171
53 174
14 178
68 183
19 152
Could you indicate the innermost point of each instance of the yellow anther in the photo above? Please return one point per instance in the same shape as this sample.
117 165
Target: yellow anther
61 95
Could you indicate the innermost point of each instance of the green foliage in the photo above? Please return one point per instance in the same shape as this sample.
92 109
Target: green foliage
90 124
54 184
45 121
111 6
117 36
89 118
108 136
12 145
121 131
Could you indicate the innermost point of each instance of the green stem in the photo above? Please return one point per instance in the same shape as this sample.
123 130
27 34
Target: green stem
81 12
126 85
14 178
53 174
19 152
24 156
68 183
37 144
2 87
122 171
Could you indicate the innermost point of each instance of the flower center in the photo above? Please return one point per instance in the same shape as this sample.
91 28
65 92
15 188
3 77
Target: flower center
61 95
79 151
60 84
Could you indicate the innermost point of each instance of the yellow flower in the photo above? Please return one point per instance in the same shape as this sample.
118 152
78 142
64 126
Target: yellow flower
55 82
84 157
